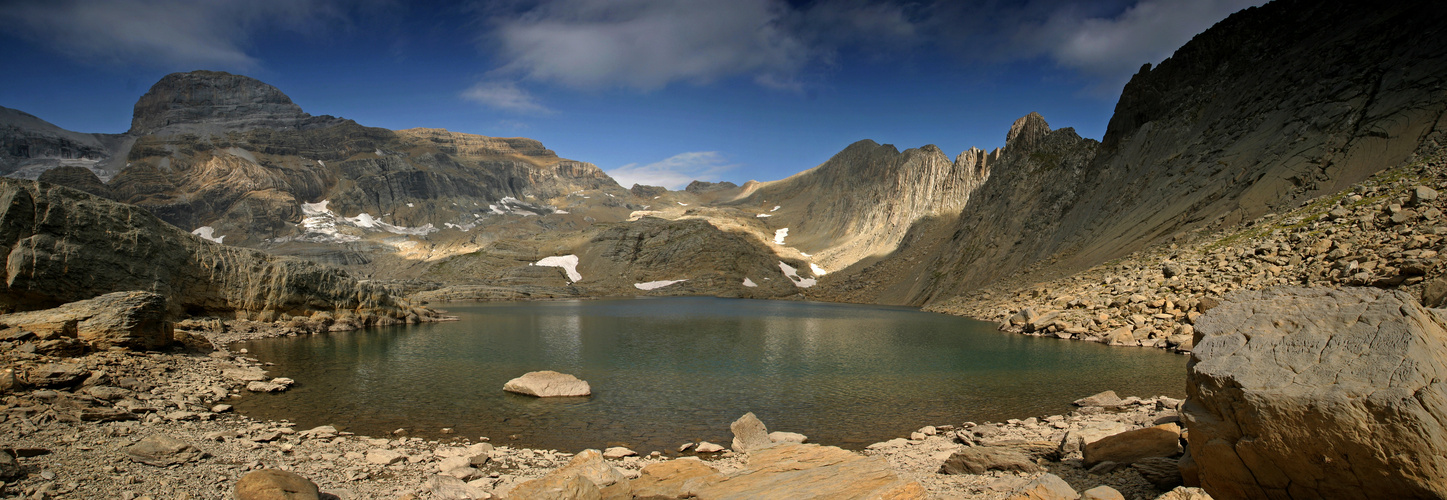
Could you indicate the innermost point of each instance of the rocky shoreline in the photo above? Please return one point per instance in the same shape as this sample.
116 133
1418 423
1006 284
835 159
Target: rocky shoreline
80 426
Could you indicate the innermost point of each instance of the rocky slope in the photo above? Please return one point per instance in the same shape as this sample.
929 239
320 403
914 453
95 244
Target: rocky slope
63 245
1273 106
30 146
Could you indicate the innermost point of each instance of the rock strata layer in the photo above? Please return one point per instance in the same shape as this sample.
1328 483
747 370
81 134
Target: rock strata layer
1319 393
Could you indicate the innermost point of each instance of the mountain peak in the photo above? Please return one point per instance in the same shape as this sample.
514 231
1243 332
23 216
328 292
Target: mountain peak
215 101
1026 132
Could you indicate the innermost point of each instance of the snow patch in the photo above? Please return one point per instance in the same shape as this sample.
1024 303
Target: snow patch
750 283
763 215
793 275
378 152
569 263
801 252
409 205
681 203
818 271
780 235
776 208
652 285
321 226
318 208
208 233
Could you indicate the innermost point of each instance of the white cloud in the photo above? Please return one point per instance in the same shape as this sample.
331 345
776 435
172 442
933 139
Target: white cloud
649 44
161 33
1111 49
675 172
506 96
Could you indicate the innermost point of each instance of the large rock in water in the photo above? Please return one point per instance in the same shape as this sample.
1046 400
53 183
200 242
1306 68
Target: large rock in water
137 320
1319 393
548 383
63 245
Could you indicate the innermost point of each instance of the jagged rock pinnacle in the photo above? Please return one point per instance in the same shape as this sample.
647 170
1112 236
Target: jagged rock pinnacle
1026 132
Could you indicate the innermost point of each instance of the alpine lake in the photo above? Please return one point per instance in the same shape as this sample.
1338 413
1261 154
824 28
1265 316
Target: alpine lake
665 371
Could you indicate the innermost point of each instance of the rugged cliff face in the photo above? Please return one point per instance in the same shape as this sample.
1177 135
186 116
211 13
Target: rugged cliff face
30 146
861 202
1272 106
63 245
213 102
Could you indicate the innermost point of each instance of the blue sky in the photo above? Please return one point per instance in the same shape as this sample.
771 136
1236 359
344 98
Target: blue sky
653 91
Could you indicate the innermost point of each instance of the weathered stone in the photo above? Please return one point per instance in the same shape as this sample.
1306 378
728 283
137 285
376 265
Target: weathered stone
681 478
619 452
787 437
274 385
161 450
136 320
385 457
245 373
1101 492
1185 493
1423 194
707 447
981 459
556 486
548 383
272 484
1164 473
1045 487
1107 398
9 467
445 487
56 375
783 470
1077 439
1319 393
1128 447
750 434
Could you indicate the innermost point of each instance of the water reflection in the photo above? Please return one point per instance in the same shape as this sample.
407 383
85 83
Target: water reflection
665 371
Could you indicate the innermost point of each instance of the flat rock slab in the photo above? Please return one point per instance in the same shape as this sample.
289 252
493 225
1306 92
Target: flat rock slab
547 384
796 471
1128 447
161 450
272 484
1319 393
982 459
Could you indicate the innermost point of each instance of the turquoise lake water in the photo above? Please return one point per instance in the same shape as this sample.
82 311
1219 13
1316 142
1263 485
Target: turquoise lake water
671 370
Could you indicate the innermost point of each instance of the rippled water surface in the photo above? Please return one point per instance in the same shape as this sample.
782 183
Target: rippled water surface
670 370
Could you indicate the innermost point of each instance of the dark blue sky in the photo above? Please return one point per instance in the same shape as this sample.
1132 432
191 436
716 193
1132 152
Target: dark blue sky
653 91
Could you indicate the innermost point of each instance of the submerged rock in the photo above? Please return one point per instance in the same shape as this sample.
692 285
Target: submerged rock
548 383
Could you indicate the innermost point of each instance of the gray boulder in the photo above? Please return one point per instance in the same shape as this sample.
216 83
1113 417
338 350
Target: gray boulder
1319 393
161 450
982 459
750 434
548 383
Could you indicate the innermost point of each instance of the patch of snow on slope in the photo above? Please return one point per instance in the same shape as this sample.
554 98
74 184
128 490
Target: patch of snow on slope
818 271
569 263
793 275
208 233
776 208
780 235
750 283
763 215
409 205
318 208
652 285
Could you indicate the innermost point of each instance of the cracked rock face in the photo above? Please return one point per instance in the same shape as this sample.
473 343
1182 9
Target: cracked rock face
1319 393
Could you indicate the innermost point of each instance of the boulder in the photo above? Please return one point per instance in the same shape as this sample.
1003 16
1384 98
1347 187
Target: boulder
1312 392
136 320
1107 398
547 384
55 375
1045 487
787 437
445 487
681 478
1184 493
750 434
585 475
1164 473
982 459
1127 447
161 450
785 469
707 447
1101 492
619 452
272 484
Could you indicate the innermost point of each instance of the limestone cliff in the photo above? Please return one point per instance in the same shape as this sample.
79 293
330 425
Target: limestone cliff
1272 106
63 245
214 102
861 202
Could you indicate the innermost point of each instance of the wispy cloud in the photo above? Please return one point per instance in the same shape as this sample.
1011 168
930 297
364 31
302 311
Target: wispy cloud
506 96
649 44
159 33
674 172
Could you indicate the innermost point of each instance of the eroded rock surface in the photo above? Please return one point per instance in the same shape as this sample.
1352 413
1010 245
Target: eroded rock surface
548 383
1319 393
134 319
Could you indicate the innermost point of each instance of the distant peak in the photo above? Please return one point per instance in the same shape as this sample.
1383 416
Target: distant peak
1026 132
213 101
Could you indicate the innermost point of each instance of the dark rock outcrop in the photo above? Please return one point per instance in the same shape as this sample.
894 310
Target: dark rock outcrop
1319 393
647 192
212 102
63 246
137 320
702 186
80 178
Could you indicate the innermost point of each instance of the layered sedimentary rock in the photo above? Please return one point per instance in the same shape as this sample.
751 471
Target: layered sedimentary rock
63 245
863 201
29 146
210 102
713 260
1319 393
137 320
1273 105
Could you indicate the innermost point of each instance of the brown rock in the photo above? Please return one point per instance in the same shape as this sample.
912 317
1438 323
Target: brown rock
1107 398
681 478
1308 392
1164 473
1185 493
1045 487
784 470
588 465
750 434
137 320
1101 492
272 484
1128 447
56 375
982 459
161 450
554 487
